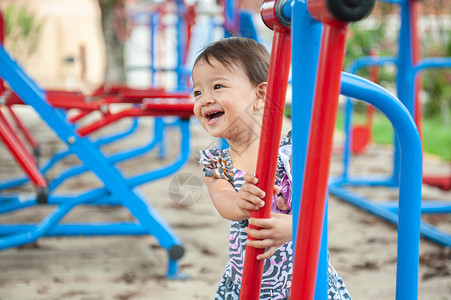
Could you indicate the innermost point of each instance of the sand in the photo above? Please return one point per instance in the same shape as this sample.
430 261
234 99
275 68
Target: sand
362 247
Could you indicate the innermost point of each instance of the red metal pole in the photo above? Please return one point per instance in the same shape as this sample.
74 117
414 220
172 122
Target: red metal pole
28 136
22 156
374 77
2 40
13 134
279 68
79 116
183 110
319 152
2 28
416 56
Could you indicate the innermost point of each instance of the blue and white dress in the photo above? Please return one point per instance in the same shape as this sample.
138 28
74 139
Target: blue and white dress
277 270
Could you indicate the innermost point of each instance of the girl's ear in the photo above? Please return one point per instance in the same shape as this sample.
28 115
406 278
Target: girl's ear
261 91
260 95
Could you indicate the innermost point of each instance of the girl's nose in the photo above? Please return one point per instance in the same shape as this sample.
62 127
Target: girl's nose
207 99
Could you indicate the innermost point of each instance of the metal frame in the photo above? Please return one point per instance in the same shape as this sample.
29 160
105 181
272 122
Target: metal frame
117 190
309 213
409 66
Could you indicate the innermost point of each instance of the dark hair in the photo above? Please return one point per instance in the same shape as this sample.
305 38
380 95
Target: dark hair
253 57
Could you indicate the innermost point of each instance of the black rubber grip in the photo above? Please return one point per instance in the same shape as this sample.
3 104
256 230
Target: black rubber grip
350 10
42 195
176 252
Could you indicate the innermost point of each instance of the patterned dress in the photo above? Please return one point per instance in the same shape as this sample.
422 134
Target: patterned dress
277 270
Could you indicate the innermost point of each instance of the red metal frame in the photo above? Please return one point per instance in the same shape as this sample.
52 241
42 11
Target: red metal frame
269 141
442 182
101 99
416 56
183 110
27 134
20 153
2 28
190 19
331 60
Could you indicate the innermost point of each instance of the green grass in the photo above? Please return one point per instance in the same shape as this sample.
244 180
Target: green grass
436 136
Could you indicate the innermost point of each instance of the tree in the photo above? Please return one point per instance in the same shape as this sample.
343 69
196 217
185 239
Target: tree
115 63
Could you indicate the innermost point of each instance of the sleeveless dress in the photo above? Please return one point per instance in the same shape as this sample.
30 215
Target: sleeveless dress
277 270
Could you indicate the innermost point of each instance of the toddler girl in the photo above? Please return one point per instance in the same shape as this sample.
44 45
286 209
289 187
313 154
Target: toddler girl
229 79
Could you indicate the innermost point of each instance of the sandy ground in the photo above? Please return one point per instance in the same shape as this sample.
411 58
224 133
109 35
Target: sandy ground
362 247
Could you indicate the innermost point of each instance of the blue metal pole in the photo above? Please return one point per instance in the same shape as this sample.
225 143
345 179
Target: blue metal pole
306 37
152 22
180 45
404 75
410 178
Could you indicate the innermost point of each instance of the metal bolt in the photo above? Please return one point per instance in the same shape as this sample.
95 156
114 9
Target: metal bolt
104 108
71 140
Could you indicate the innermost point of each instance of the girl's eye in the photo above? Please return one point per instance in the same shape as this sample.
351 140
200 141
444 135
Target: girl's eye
218 86
196 93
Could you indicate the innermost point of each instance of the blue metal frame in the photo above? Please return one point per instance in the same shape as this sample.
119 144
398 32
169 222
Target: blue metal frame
305 48
405 83
104 140
305 39
116 190
409 208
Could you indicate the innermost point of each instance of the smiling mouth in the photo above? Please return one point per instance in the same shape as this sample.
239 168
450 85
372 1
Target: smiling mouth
214 116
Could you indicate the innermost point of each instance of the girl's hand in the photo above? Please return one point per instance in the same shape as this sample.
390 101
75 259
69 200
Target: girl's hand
250 196
274 232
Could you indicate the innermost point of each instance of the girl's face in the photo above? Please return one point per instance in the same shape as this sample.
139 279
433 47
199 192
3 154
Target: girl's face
227 104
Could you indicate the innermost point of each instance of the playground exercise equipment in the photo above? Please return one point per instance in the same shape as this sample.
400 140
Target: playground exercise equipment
170 33
117 190
409 66
235 21
314 108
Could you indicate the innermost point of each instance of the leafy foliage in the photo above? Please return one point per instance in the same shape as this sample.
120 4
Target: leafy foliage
437 84
23 29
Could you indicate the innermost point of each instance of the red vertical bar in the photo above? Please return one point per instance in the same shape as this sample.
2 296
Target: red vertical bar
416 56
319 151
374 77
279 69
7 126
2 27
22 156
30 139
2 40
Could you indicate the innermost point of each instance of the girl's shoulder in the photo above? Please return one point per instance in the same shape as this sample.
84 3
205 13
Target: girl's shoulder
217 163
213 153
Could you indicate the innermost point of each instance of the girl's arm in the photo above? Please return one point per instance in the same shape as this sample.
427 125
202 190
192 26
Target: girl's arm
274 232
232 205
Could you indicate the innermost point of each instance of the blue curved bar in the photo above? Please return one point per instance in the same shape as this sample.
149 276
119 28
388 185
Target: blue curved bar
172 168
408 218
353 68
366 61
432 62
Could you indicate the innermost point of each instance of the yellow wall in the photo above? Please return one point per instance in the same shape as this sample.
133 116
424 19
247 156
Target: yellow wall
68 24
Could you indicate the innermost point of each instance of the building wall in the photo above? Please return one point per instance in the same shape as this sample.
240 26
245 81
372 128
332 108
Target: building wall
69 25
